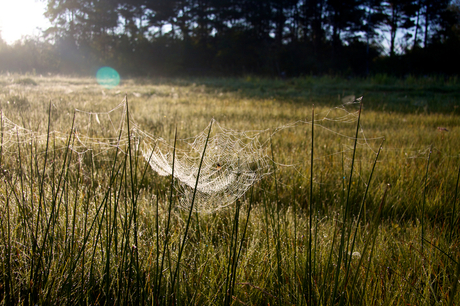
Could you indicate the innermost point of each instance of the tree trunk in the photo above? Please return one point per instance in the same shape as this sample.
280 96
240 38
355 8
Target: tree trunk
425 43
416 26
394 28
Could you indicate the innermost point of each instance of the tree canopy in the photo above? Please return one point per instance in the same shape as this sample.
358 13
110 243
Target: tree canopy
269 37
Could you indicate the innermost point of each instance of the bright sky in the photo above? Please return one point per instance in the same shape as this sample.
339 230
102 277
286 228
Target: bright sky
20 18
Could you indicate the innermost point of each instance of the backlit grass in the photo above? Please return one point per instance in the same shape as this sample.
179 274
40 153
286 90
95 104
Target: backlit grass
103 228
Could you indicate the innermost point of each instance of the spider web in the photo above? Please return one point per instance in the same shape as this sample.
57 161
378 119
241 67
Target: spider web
233 160
232 163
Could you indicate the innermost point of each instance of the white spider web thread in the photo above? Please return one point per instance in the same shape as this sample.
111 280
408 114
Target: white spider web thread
232 163
89 132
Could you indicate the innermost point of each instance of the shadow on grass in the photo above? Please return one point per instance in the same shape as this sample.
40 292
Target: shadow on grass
382 93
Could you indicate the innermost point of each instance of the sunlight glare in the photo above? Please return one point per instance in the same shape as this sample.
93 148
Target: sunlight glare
21 18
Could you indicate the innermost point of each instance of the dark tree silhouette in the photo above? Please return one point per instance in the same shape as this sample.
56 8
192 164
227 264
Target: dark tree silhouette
237 37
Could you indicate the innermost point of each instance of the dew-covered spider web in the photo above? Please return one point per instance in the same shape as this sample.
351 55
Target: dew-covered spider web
233 161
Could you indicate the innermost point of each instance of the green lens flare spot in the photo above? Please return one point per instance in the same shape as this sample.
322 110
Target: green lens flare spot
107 77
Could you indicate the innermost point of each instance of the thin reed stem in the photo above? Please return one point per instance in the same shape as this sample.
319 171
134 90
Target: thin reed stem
424 201
310 264
453 220
168 222
373 237
345 213
184 239
362 212
277 231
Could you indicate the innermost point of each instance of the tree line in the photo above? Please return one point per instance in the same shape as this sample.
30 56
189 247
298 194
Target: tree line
237 37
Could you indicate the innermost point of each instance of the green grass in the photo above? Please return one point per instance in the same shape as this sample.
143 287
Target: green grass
341 220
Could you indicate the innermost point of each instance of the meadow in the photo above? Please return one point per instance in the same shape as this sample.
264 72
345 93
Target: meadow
358 204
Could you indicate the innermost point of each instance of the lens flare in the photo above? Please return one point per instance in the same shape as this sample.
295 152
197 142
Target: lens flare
107 77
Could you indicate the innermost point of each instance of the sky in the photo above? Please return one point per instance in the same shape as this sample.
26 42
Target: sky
20 18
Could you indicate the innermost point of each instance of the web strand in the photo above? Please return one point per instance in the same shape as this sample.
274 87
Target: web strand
233 161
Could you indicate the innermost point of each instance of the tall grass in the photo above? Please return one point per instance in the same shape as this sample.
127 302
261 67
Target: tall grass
102 228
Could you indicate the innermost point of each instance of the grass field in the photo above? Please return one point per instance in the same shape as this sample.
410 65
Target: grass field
358 208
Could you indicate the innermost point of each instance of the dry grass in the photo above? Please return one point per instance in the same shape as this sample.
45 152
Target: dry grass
78 235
